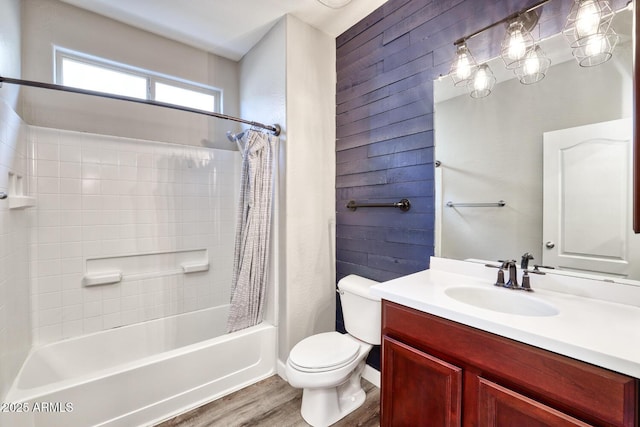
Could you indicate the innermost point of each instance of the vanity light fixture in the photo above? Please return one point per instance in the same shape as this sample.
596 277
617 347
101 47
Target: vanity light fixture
589 33
533 67
518 45
463 66
482 82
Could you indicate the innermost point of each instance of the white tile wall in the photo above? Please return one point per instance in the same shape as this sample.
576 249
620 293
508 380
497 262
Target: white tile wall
15 325
101 196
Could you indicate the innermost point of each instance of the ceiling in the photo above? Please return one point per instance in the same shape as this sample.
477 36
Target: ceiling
228 28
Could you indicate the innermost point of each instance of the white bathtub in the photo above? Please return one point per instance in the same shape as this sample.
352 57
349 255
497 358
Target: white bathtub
138 374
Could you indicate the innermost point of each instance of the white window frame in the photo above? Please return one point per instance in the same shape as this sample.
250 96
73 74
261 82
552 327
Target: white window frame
152 77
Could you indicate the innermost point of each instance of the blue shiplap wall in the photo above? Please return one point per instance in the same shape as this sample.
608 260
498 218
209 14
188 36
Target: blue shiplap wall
386 65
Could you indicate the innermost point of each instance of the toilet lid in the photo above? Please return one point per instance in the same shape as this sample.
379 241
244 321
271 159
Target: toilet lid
322 352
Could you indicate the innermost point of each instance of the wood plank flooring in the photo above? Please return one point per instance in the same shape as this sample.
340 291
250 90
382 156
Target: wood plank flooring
271 402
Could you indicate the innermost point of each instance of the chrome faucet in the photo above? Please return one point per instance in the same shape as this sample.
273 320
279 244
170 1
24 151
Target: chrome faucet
512 283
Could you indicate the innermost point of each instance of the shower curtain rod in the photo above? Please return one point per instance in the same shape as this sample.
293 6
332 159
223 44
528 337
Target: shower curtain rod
275 129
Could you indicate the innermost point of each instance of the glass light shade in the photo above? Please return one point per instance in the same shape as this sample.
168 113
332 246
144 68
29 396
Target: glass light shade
517 42
534 66
463 66
335 4
482 82
589 33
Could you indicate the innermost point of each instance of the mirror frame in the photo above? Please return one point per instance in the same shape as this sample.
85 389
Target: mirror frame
636 137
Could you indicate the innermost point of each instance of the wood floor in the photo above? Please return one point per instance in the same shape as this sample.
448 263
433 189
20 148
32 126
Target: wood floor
271 402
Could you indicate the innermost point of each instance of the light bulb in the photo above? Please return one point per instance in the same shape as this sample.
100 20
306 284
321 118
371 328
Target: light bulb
587 18
531 63
463 70
481 80
517 46
463 66
596 45
534 66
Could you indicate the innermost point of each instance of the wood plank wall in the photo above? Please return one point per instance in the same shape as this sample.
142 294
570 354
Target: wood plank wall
385 68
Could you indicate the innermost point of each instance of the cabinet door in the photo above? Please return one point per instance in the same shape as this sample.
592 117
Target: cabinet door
501 407
418 389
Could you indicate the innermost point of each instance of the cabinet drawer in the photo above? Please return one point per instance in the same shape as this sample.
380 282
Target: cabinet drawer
591 393
499 406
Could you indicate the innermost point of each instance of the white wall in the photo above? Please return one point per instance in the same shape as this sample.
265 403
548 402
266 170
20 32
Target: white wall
100 197
310 195
10 52
491 149
15 324
289 78
49 22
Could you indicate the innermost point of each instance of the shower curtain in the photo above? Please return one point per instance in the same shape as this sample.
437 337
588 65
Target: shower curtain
250 265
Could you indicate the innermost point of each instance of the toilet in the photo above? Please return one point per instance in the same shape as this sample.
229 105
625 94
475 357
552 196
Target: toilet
328 366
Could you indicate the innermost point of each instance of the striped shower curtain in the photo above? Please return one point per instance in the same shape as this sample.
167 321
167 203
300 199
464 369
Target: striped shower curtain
250 265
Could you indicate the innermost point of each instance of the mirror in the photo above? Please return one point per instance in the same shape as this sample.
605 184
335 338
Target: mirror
491 149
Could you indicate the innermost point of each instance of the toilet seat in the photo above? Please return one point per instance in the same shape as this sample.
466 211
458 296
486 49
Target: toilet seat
324 352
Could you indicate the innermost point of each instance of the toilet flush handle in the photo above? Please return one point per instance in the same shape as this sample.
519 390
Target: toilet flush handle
339 291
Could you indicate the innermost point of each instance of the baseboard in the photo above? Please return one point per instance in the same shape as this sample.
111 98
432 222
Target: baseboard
281 370
372 375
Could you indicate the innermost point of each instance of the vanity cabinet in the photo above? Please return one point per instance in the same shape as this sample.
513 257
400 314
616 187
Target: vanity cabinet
436 372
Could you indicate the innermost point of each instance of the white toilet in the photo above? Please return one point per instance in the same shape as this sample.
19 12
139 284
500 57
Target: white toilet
328 366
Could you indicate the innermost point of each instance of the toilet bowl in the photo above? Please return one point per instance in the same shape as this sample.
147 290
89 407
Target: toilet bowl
328 366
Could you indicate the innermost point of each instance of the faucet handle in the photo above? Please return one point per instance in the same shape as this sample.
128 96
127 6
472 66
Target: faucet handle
526 282
501 267
500 279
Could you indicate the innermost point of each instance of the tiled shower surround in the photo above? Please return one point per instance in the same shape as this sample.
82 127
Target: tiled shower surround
101 197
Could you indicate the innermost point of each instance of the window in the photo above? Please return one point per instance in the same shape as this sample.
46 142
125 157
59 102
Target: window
185 97
91 73
94 77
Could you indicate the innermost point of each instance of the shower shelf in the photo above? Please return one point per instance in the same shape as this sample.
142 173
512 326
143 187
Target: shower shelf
21 202
16 194
102 279
141 266
195 267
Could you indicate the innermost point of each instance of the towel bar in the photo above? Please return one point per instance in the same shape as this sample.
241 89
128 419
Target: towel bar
499 204
404 205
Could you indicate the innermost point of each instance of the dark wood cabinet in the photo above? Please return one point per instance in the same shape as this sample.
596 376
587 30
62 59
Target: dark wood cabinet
436 372
414 376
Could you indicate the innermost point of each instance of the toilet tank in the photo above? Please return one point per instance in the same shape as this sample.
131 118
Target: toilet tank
362 311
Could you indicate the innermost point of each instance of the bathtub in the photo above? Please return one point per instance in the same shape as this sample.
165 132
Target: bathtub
139 374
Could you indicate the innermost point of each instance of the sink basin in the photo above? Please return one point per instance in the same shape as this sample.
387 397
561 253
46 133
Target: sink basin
502 300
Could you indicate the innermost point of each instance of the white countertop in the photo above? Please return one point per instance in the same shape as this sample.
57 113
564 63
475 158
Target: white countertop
597 322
